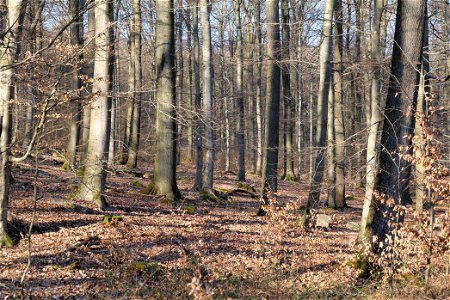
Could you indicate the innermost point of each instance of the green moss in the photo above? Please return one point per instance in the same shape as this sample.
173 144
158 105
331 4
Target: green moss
80 171
152 270
289 177
151 189
211 195
189 208
136 183
112 219
247 187
361 263
6 240
66 166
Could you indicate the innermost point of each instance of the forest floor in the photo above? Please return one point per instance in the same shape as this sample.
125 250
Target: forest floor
197 249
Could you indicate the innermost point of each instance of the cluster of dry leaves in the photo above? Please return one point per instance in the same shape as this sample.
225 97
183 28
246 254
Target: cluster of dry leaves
198 249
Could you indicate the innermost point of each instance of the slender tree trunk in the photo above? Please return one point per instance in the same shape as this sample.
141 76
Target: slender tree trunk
137 85
322 106
289 173
207 95
258 91
180 77
240 93
189 133
299 87
393 178
87 107
76 41
198 185
372 141
422 111
94 177
164 179
10 11
331 148
338 121
271 134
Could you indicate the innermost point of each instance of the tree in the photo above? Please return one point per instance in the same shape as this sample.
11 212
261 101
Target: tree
393 178
322 106
258 90
94 177
164 177
375 120
10 22
240 93
338 118
289 173
207 95
271 139
137 84
76 41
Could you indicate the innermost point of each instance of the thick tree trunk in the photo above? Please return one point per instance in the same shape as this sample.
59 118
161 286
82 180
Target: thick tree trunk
322 106
271 134
94 177
240 93
393 179
164 179
207 95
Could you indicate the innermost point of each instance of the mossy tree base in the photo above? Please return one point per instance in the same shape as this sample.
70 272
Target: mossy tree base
6 240
289 176
213 195
171 197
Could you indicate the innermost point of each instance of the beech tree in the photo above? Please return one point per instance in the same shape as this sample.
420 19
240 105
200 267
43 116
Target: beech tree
269 184
393 177
164 177
10 14
94 177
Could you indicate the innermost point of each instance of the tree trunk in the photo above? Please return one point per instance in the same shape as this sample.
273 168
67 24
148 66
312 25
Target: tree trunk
258 91
289 173
198 185
189 133
240 93
422 111
338 121
207 95
87 107
393 179
164 179
375 123
94 177
271 138
322 106
331 149
137 91
179 77
10 11
76 41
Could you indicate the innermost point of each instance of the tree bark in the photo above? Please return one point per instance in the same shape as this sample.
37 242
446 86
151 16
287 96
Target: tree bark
76 41
338 122
94 177
289 173
271 134
137 85
10 12
258 91
322 106
207 95
393 179
240 93
164 179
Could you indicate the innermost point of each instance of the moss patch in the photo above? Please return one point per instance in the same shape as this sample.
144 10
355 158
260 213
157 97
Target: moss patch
151 189
112 219
6 240
80 171
246 187
136 183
